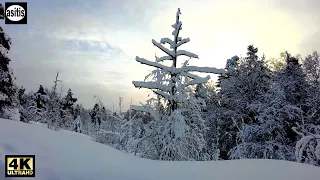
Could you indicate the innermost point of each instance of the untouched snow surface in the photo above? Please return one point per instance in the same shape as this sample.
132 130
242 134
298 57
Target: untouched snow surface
70 156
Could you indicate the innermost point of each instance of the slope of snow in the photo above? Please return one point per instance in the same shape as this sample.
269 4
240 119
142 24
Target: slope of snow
69 156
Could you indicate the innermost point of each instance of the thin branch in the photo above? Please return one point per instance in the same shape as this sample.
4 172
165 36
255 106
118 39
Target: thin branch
183 41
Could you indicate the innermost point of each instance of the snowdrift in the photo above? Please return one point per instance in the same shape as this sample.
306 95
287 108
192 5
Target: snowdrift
61 155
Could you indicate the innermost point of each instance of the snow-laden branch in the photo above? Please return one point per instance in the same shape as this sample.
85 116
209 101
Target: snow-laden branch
151 85
169 41
301 146
164 58
177 28
202 69
199 81
192 76
183 41
186 53
164 49
139 108
153 64
163 94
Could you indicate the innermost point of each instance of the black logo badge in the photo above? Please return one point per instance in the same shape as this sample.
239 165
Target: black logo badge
15 13
19 165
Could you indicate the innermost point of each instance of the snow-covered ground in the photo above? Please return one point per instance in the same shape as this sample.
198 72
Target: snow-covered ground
69 156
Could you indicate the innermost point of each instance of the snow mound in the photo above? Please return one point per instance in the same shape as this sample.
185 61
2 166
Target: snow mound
61 155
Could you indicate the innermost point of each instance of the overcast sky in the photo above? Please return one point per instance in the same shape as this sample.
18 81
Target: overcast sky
94 43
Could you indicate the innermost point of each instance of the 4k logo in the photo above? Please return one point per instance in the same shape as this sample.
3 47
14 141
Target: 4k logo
20 166
15 13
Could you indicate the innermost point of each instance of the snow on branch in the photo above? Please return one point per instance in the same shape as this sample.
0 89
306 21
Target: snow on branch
153 64
177 28
199 80
186 53
202 69
164 58
164 49
169 41
151 85
193 76
183 41
301 146
163 94
139 108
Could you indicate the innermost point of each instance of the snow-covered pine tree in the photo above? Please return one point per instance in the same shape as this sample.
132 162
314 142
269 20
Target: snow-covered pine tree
308 130
294 83
210 96
30 106
69 101
53 107
201 95
77 125
222 132
7 90
85 117
95 118
22 103
247 80
41 100
311 66
228 80
67 111
178 132
266 137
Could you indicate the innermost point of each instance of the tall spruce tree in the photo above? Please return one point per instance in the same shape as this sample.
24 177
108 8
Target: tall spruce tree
67 112
247 80
69 101
294 83
178 132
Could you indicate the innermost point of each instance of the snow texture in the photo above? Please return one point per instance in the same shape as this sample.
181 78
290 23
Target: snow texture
151 85
186 53
73 156
12 113
202 69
